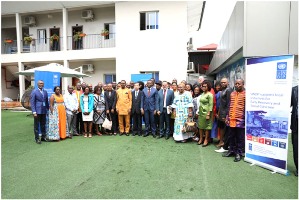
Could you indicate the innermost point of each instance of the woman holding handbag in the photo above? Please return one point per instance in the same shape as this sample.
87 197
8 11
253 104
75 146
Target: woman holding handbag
86 105
99 114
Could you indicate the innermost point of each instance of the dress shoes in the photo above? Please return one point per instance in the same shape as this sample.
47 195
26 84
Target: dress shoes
133 134
44 139
38 141
161 136
127 134
204 145
237 158
228 154
120 134
71 136
154 136
167 137
145 135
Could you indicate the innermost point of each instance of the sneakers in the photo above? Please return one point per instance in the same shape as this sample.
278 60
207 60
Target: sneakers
221 150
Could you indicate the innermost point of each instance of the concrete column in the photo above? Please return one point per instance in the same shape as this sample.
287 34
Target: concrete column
65 81
64 28
21 80
19 33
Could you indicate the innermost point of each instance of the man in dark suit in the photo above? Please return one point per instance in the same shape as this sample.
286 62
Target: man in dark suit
157 117
110 101
166 97
39 106
136 110
148 108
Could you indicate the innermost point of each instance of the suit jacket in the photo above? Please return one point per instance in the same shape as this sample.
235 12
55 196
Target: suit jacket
110 101
136 102
39 101
149 102
169 99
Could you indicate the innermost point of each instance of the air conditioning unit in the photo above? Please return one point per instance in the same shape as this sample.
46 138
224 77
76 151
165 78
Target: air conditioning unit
87 68
29 20
190 68
87 14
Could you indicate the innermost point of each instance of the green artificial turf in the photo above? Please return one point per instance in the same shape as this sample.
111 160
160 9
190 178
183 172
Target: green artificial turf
127 167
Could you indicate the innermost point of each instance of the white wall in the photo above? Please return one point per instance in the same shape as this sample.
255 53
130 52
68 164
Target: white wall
266 27
100 69
293 49
162 50
11 92
232 38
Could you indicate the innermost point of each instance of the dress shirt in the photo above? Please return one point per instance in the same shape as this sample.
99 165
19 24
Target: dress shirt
71 102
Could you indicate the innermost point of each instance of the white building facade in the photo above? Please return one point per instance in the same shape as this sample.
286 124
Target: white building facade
144 37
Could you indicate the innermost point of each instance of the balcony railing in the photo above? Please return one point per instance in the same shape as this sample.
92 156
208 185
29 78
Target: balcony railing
10 47
91 41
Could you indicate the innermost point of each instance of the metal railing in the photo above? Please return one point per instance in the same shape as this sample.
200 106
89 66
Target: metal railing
10 47
90 41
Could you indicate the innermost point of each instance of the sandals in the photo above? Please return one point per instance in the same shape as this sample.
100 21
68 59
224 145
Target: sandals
90 135
99 134
85 135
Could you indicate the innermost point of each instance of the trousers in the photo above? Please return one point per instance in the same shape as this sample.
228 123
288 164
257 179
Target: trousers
121 119
40 122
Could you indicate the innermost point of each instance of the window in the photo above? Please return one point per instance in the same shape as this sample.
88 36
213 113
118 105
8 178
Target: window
41 36
155 75
109 78
111 29
149 20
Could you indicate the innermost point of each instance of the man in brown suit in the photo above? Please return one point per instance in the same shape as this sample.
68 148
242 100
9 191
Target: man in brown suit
123 108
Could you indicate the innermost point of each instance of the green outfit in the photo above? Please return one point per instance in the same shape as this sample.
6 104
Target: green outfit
206 105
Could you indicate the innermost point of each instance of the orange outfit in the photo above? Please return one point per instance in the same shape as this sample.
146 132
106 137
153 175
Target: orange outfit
62 116
123 106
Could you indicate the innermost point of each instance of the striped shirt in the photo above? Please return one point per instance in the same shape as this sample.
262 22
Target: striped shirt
236 114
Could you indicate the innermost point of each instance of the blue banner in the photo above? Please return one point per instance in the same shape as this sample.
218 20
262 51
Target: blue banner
51 79
268 111
141 77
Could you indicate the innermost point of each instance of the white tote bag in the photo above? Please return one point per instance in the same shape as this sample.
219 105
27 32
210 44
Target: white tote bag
107 124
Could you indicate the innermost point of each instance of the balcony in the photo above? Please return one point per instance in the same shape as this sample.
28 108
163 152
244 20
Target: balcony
89 41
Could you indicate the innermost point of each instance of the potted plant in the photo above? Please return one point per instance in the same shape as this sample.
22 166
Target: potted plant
8 41
27 39
54 37
104 32
78 36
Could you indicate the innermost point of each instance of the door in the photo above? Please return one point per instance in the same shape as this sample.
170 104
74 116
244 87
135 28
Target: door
41 42
54 41
77 42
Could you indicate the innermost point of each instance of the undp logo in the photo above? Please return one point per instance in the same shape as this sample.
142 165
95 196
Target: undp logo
281 70
282 66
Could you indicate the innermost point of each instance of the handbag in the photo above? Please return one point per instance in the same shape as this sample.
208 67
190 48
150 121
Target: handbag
190 126
107 124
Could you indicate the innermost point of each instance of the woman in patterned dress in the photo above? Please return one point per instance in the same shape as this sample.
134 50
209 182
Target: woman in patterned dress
99 114
182 110
57 127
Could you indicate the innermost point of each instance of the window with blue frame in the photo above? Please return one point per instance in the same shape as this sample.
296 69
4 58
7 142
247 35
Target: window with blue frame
109 78
149 20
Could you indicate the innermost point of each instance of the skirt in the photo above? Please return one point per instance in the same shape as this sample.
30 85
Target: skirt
87 118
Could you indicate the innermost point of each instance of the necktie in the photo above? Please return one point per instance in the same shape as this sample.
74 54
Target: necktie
164 98
149 92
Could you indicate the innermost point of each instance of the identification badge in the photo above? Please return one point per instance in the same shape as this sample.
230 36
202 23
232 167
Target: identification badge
44 104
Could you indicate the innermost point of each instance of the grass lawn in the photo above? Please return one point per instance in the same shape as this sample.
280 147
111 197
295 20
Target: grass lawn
127 167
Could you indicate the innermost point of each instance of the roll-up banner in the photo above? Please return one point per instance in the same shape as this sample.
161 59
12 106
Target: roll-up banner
268 97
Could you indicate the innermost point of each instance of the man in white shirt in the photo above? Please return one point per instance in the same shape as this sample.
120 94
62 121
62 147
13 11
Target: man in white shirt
71 105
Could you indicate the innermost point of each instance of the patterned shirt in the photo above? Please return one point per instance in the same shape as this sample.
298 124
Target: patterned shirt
236 115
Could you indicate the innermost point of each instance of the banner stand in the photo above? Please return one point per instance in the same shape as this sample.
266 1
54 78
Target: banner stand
267 111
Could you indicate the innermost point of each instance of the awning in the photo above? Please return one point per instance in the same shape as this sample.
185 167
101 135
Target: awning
208 47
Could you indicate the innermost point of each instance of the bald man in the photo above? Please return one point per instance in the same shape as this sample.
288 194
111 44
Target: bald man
222 113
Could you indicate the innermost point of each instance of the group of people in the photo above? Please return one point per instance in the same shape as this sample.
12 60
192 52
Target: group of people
165 107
